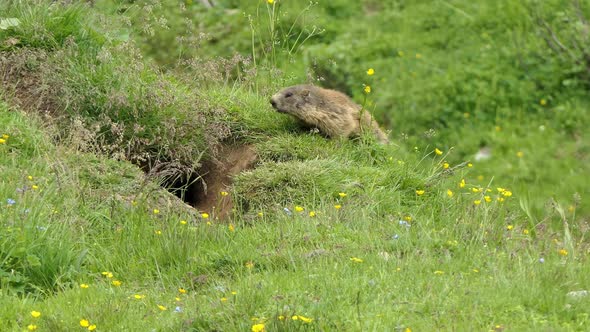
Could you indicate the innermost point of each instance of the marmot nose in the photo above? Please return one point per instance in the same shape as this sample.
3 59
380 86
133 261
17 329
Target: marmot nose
273 103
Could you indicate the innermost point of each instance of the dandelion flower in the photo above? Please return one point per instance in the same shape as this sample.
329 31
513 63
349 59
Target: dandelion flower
84 323
224 193
161 307
156 211
281 317
446 165
84 286
408 329
116 283
370 71
92 327
487 199
298 208
367 89
2 141
507 193
183 222
420 192
356 260
107 274
270 2
234 293
337 206
30 177
31 327
35 187
438 152
477 202
563 252
510 227
449 193
258 328
35 314
205 215
525 231
469 165
312 214
342 195
408 218
182 291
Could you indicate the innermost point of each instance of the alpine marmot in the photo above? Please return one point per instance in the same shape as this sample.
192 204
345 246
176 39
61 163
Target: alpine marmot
330 111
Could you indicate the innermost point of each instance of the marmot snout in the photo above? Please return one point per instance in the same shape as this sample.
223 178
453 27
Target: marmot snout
332 112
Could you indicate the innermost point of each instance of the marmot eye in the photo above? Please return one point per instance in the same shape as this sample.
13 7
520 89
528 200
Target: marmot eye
288 94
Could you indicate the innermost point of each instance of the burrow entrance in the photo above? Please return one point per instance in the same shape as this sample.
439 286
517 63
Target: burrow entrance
204 191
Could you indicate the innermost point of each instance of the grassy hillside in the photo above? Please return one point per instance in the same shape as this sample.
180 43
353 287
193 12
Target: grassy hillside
104 104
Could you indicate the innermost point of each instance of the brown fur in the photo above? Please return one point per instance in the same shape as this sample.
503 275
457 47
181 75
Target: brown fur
332 112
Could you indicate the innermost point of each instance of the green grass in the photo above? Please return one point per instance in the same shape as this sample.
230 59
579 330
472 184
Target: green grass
326 234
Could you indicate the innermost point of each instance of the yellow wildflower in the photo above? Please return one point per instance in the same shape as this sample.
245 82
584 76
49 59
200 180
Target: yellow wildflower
446 165
525 231
92 327
520 154
116 283
224 193
476 190
487 199
507 193
35 187
158 232
499 189
337 206
138 297
563 252
500 199
249 264
156 211
234 293
205 215
449 193
304 319
408 218
84 323
161 307
35 314
182 290
408 329
477 202
543 102
298 208
84 286
367 89
370 71
231 228
420 192
418 56
462 183
469 165
400 53
281 317
260 214
439 272
183 222
223 299
312 214
510 227
438 152
2 141
258 328
342 195
270 2
5 136
356 260
107 274
30 177
31 327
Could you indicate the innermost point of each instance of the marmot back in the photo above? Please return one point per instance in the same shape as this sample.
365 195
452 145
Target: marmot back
332 112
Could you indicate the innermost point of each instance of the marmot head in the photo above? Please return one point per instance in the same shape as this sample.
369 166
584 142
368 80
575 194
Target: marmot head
293 100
